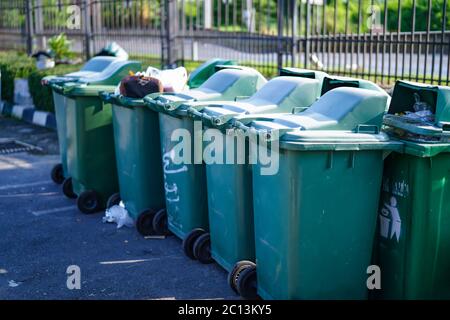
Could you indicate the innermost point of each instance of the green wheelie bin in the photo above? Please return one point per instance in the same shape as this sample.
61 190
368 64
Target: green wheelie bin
138 156
91 69
186 204
91 160
315 215
413 238
230 199
230 204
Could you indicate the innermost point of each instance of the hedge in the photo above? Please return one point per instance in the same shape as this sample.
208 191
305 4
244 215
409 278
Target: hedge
13 65
42 96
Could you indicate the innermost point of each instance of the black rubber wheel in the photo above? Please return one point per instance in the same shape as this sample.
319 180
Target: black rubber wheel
144 222
202 249
246 283
233 275
160 225
188 242
113 200
88 202
67 189
57 174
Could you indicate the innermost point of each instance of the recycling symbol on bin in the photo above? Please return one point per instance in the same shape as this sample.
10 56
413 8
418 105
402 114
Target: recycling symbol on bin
390 222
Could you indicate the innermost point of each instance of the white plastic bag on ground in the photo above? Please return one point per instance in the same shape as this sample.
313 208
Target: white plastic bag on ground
118 214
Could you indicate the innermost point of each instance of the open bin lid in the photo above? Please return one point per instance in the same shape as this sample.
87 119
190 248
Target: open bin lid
279 95
205 71
226 84
333 82
430 126
303 73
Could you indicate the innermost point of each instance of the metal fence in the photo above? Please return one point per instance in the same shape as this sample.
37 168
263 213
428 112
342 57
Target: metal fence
381 40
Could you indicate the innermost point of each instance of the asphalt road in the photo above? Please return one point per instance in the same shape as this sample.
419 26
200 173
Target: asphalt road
42 234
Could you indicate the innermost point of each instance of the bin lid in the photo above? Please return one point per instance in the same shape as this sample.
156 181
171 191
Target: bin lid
424 150
320 140
333 82
281 94
339 109
113 73
91 69
304 73
205 71
343 118
419 112
76 89
226 84
98 64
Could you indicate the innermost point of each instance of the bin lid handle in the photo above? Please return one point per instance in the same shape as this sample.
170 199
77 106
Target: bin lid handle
367 128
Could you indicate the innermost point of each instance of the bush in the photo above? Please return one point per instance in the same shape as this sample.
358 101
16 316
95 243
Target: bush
60 47
42 96
13 65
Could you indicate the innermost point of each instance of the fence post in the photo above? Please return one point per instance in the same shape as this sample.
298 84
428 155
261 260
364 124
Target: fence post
307 31
280 10
294 27
87 28
29 25
171 28
39 25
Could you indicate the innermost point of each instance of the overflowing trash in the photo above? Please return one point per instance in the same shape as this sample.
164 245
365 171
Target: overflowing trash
418 125
153 80
422 112
118 214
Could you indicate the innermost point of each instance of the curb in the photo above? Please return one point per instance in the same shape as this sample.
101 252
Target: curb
29 114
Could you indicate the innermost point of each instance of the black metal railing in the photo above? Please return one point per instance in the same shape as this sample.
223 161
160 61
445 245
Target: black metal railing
381 40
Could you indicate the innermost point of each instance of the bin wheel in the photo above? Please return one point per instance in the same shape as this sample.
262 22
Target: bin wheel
67 189
233 275
57 174
247 284
144 222
160 223
113 200
88 202
189 240
202 249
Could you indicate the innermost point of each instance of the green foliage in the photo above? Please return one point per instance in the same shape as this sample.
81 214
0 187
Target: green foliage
42 96
13 65
60 47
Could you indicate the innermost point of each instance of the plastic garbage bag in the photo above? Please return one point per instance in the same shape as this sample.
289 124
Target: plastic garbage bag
173 80
420 105
118 214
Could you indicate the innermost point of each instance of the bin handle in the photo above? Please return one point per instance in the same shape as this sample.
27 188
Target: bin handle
107 97
445 126
298 109
221 120
57 88
367 128
197 114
